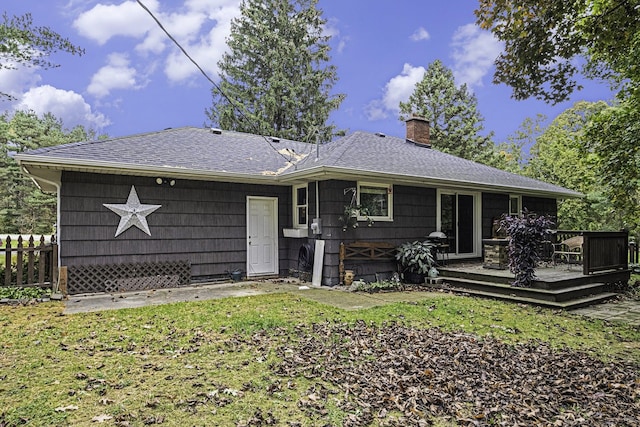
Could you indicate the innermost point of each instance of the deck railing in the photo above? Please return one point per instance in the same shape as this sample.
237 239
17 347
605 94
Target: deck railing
605 251
601 250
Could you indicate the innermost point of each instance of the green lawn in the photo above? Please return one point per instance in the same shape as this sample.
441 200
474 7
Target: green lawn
218 363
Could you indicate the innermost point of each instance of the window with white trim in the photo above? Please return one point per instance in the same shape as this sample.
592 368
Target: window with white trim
375 201
300 204
515 205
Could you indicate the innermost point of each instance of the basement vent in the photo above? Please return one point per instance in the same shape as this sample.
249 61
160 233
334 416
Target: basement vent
216 131
381 135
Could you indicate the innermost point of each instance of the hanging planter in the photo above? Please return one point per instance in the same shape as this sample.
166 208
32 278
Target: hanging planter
353 212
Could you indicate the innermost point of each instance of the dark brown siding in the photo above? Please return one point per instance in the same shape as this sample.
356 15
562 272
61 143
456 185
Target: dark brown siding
541 206
200 222
414 217
205 222
493 207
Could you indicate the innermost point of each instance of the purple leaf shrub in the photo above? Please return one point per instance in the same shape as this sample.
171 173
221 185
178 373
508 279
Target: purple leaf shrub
526 234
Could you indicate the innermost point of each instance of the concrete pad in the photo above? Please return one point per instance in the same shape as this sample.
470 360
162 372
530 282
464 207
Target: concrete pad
337 297
340 297
115 301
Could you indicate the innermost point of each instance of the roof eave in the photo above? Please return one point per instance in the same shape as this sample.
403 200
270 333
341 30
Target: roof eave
35 165
334 172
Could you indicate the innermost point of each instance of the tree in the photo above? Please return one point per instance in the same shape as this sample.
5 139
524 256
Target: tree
23 207
613 135
545 42
274 79
545 38
452 112
562 155
23 44
509 155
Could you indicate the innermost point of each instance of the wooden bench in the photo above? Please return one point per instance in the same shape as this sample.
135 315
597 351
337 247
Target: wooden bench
365 251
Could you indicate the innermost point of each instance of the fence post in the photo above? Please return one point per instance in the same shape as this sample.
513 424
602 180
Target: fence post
7 262
41 262
30 264
54 265
19 263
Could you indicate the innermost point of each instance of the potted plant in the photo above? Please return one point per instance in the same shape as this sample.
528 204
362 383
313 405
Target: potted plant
416 261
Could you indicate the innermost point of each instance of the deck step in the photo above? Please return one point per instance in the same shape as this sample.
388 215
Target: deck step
566 305
558 295
569 297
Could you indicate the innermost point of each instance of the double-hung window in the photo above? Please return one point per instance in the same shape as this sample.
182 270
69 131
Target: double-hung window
515 205
300 205
375 201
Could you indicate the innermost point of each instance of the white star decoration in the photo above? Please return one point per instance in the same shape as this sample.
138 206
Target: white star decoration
133 213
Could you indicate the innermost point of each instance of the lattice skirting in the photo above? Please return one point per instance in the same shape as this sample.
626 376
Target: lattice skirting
127 277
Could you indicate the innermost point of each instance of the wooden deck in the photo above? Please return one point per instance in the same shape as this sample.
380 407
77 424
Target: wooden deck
562 286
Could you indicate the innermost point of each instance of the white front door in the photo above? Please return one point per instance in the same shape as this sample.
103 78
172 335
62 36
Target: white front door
262 235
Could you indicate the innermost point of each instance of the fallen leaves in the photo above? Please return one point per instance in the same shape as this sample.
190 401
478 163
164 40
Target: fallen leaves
471 380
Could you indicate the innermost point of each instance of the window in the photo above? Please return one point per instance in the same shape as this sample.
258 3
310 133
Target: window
300 206
515 205
377 200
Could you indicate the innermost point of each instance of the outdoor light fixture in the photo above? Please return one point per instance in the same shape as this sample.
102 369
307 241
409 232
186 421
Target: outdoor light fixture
161 181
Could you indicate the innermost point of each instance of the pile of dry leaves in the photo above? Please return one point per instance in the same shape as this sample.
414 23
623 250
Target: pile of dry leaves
406 376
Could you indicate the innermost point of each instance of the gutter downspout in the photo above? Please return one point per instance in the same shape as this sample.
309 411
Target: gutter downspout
317 200
58 186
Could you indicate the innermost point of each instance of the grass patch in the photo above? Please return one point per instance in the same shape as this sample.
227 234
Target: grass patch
199 363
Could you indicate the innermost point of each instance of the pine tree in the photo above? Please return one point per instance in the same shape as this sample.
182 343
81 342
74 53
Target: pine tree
275 79
452 113
23 43
23 207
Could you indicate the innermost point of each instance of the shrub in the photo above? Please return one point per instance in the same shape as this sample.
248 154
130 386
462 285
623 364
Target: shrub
31 292
416 257
382 286
526 234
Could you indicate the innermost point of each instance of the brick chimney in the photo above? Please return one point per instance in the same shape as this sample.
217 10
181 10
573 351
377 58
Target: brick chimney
418 130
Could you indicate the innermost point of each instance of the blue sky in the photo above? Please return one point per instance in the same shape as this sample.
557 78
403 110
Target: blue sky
132 79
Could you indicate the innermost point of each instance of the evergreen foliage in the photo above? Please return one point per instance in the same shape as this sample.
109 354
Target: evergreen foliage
275 79
452 112
23 44
24 209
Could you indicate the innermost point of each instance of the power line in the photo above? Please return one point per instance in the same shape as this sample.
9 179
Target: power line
237 106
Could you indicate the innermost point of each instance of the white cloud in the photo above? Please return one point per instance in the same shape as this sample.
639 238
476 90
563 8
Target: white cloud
66 105
331 30
474 52
117 74
205 49
397 89
200 26
420 34
15 81
128 19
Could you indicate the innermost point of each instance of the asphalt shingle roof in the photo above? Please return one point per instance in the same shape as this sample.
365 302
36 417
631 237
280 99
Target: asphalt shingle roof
184 148
367 152
198 149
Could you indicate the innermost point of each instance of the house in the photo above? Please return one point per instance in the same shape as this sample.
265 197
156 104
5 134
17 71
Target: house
220 201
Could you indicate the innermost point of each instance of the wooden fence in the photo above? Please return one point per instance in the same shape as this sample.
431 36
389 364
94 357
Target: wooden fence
29 262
